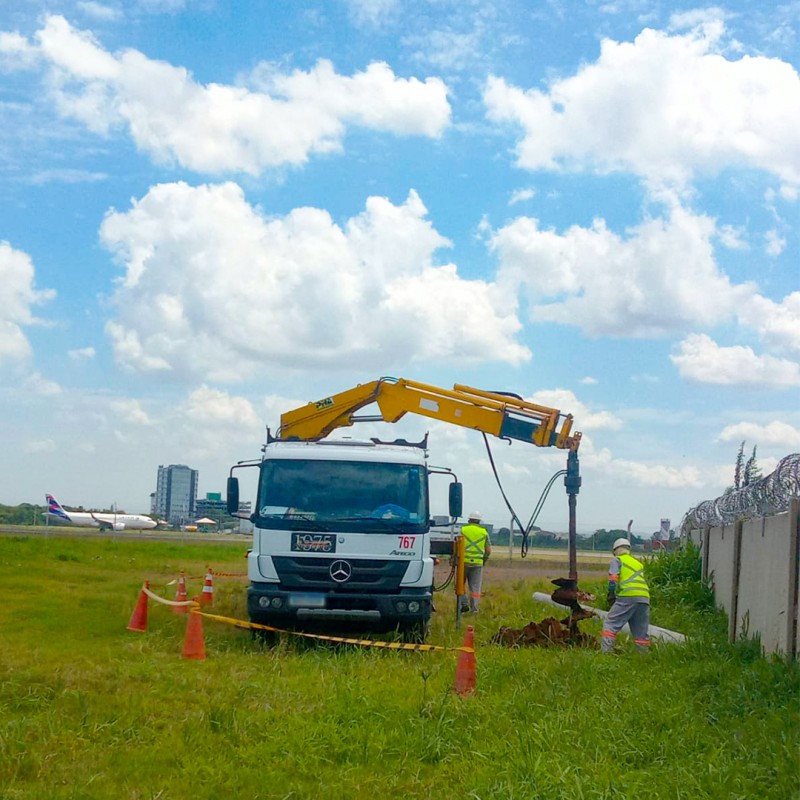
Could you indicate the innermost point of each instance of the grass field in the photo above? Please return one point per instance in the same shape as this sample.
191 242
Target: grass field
89 709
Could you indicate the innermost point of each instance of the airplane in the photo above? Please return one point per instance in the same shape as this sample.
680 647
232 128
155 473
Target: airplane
91 519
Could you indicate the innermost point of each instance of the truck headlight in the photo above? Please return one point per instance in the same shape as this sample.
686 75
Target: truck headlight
263 602
400 605
413 606
277 602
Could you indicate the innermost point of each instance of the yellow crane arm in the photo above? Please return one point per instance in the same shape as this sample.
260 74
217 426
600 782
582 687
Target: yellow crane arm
502 415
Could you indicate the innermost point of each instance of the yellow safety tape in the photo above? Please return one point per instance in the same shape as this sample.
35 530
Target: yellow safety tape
158 599
417 648
243 624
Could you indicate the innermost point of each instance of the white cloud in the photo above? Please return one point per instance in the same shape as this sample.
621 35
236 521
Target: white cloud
16 52
663 107
212 288
66 176
211 407
775 243
40 385
775 433
17 297
777 324
655 281
162 6
701 359
131 411
732 237
446 49
81 353
99 11
641 474
370 13
40 446
213 421
657 475
216 128
652 282
585 420
520 196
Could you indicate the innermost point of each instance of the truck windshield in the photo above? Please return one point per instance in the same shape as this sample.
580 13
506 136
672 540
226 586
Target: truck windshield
360 495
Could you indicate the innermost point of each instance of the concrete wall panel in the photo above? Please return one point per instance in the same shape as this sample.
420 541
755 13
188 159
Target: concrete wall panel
755 571
765 582
720 562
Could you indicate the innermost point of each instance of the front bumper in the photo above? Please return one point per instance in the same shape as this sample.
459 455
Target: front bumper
267 604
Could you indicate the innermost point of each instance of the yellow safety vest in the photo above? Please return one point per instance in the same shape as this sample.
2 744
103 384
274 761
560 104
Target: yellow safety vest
475 538
631 578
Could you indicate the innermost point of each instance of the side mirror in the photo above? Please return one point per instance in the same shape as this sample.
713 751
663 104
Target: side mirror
233 496
456 499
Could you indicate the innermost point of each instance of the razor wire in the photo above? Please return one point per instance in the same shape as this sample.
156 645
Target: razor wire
770 495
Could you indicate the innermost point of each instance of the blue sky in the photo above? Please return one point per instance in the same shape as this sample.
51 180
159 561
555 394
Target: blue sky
213 212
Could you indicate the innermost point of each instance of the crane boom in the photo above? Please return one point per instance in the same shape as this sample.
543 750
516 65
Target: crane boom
506 416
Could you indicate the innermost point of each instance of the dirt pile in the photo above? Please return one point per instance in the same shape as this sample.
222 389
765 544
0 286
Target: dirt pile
550 632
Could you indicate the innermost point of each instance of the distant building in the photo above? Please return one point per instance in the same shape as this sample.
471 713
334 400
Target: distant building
663 537
214 507
176 494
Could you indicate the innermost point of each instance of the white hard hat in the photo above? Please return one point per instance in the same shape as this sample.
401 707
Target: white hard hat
621 543
476 515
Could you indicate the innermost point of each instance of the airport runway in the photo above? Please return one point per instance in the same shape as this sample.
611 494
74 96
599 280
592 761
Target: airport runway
64 531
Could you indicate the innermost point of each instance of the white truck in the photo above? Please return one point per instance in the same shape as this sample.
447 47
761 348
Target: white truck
342 527
341 537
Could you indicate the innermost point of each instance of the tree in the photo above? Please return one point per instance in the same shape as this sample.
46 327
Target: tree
737 475
745 474
603 539
23 514
752 472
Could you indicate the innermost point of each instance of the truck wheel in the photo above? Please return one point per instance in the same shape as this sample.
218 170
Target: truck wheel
415 632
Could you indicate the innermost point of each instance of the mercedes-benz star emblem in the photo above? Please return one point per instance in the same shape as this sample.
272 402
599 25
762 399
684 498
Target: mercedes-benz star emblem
341 571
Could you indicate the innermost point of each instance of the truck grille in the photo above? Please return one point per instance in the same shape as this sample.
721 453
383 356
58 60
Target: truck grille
369 575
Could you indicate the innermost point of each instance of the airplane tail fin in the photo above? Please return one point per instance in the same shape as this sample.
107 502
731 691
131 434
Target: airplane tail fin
54 509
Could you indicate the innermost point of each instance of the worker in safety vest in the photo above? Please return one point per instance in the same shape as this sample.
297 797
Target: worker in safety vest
628 598
477 549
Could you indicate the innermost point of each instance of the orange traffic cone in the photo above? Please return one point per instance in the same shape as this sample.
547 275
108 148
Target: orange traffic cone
465 669
139 617
181 595
194 646
207 597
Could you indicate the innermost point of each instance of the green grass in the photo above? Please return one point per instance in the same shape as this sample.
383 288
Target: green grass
91 710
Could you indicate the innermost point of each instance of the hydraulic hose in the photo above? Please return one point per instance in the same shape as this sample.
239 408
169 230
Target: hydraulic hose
536 511
448 580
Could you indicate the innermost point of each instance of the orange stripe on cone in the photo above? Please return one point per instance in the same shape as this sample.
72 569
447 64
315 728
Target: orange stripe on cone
466 678
207 597
194 646
181 595
138 620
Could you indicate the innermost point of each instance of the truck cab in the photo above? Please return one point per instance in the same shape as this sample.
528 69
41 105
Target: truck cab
341 537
